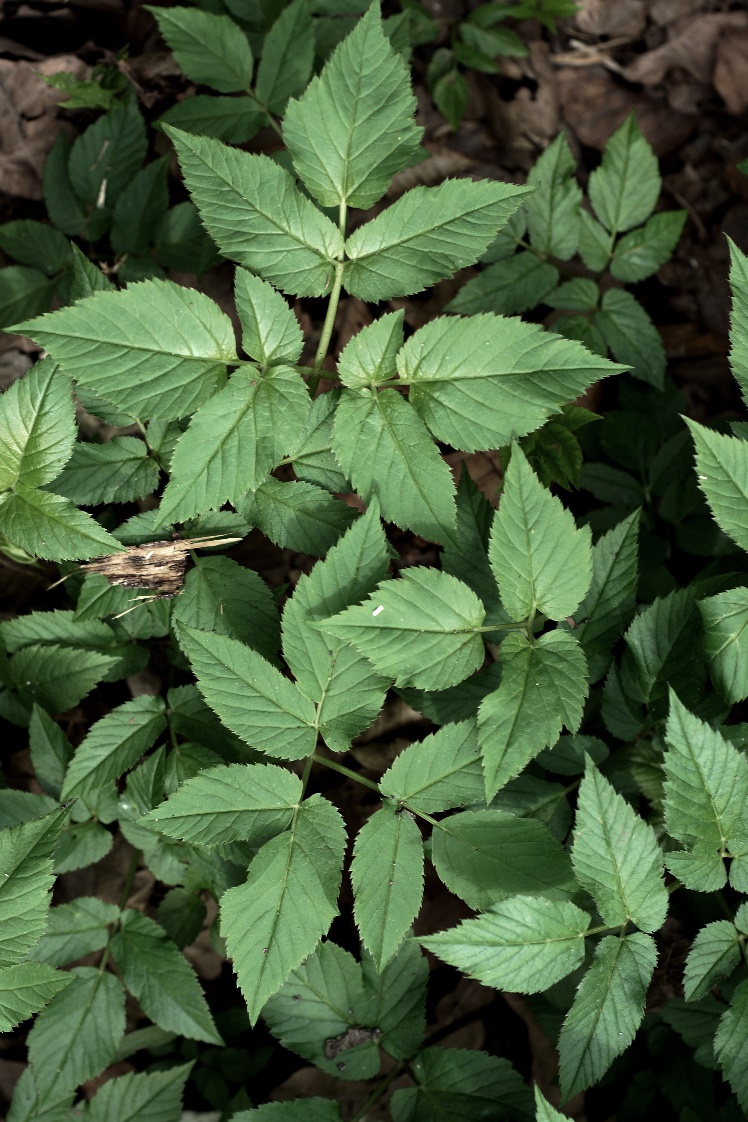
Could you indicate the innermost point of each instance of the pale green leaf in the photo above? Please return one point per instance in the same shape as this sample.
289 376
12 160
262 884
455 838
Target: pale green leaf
483 856
515 284
631 336
321 1013
731 1041
625 188
607 1010
287 57
298 516
234 802
609 604
440 772
25 882
270 331
154 349
25 989
250 696
114 744
616 856
553 209
51 527
26 1105
642 252
387 452
594 243
154 1096
541 561
423 629
75 930
220 595
37 426
58 626
706 787
371 355
543 688
714 954
119 471
427 235
257 216
57 677
353 128
234 441
523 944
209 48
722 469
454 1085
161 978
275 920
725 619
77 1035
544 1112
387 877
739 317
480 381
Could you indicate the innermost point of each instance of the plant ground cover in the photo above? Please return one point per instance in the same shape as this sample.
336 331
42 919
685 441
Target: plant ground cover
366 633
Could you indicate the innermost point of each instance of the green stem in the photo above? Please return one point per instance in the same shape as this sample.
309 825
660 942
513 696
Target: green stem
378 1091
307 771
346 771
332 308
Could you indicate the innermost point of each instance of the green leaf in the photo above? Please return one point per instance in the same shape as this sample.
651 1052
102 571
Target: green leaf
297 516
523 944
725 619
155 1096
481 381
454 1085
616 856
427 235
440 772
313 458
119 471
63 207
641 253
26 866
607 1010
386 451
609 605
36 244
739 317
270 331
467 558
543 687
483 856
342 682
57 677
371 356
87 277
625 188
51 527
77 1036
237 802
387 877
26 1105
722 469
577 295
161 979
114 744
450 93
154 349
209 48
706 787
50 751
541 561
182 915
234 441
714 954
553 209
275 920
37 426
300 1110
528 796
220 595
662 646
423 629
233 119
257 216
250 696
25 989
82 845
23 292
398 996
103 160
75 930
140 208
514 284
287 57
321 1011
353 128
544 1112
631 336
730 1043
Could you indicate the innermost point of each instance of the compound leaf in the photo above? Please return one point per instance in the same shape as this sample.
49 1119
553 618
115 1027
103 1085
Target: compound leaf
155 1096
625 188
